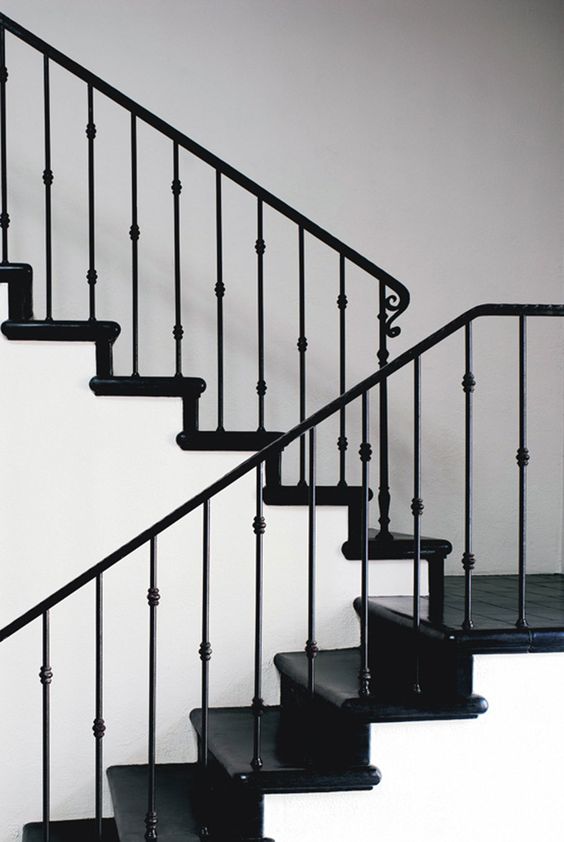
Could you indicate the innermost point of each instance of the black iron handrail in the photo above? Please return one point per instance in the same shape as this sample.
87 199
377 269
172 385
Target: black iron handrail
276 447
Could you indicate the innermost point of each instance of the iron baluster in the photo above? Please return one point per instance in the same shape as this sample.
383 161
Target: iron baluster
468 559
134 234
220 293
302 348
178 330
260 248
48 182
384 486
417 511
523 457
259 527
91 275
311 647
4 216
365 453
153 598
342 302
205 646
46 677
99 726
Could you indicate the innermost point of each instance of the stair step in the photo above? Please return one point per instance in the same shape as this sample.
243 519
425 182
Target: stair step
75 830
326 495
154 387
176 798
398 545
226 439
231 745
336 684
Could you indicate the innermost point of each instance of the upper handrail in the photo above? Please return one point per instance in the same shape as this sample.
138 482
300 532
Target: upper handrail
276 447
208 157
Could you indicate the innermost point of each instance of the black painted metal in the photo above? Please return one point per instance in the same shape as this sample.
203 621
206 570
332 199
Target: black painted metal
468 559
384 498
417 511
46 677
259 527
134 234
342 302
302 348
48 182
220 294
311 647
522 462
99 726
365 457
4 216
178 330
205 652
153 598
91 275
260 248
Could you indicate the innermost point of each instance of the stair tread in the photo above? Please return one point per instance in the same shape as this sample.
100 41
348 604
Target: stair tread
336 683
399 546
75 830
326 495
232 440
62 331
148 386
231 744
176 799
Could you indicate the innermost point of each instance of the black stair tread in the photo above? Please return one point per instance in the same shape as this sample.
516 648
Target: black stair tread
494 614
75 830
336 683
62 331
226 439
399 546
176 799
326 495
148 386
231 744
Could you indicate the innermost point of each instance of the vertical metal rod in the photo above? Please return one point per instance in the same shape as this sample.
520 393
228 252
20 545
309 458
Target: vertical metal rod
46 676
134 235
523 457
384 498
342 302
91 275
365 453
178 330
205 647
4 216
153 598
468 559
302 348
48 182
417 511
311 647
99 727
259 526
260 248
220 293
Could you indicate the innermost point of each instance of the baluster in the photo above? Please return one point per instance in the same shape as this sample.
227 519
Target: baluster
4 216
342 442
99 726
220 293
178 330
311 647
384 486
417 511
365 453
91 275
302 348
153 598
468 559
205 648
48 182
260 248
134 236
46 677
523 457
259 527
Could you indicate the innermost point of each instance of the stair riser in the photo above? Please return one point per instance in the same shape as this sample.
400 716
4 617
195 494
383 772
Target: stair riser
19 277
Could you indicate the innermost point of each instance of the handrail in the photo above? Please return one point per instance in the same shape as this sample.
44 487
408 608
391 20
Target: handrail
276 447
208 157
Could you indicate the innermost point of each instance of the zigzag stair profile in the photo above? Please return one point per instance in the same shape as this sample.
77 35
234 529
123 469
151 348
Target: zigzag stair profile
415 659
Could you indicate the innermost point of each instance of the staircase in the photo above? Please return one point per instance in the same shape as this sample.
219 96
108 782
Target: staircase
415 656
